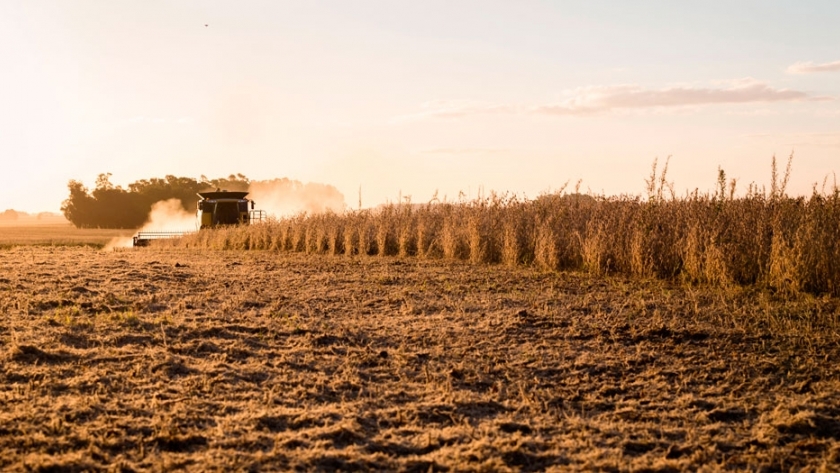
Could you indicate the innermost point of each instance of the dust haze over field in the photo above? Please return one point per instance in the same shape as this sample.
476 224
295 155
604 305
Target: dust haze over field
165 216
169 216
285 197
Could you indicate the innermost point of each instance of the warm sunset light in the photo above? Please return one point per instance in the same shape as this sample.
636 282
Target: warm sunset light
410 98
419 236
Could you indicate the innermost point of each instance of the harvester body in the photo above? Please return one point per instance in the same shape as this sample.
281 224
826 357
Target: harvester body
216 208
223 208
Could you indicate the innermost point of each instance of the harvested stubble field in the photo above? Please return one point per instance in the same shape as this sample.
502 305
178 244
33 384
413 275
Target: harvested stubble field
161 359
56 234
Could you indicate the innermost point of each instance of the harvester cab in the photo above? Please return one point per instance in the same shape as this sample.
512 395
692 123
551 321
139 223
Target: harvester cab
226 208
216 208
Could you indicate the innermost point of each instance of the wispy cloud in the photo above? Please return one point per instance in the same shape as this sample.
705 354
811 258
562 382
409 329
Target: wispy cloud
602 99
599 99
810 67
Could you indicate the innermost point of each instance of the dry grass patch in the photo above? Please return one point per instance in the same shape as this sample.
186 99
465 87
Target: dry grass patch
168 359
64 234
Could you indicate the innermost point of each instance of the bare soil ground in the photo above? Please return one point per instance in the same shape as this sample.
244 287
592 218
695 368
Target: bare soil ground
161 359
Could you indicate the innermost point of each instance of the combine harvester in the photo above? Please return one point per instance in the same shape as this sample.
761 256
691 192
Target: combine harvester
216 208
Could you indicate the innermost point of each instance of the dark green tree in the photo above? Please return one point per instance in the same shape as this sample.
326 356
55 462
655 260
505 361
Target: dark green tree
80 206
234 182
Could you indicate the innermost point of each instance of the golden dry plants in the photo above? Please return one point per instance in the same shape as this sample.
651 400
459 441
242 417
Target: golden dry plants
763 237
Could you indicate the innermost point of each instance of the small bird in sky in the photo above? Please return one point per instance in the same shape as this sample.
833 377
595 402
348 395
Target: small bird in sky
206 25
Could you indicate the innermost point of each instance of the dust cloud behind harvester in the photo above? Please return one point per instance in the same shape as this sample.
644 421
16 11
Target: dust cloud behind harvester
284 197
169 216
165 216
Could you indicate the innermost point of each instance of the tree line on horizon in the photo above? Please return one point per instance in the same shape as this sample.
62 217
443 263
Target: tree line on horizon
12 215
110 206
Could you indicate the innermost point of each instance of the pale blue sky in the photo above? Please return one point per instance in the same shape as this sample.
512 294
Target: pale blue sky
413 97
